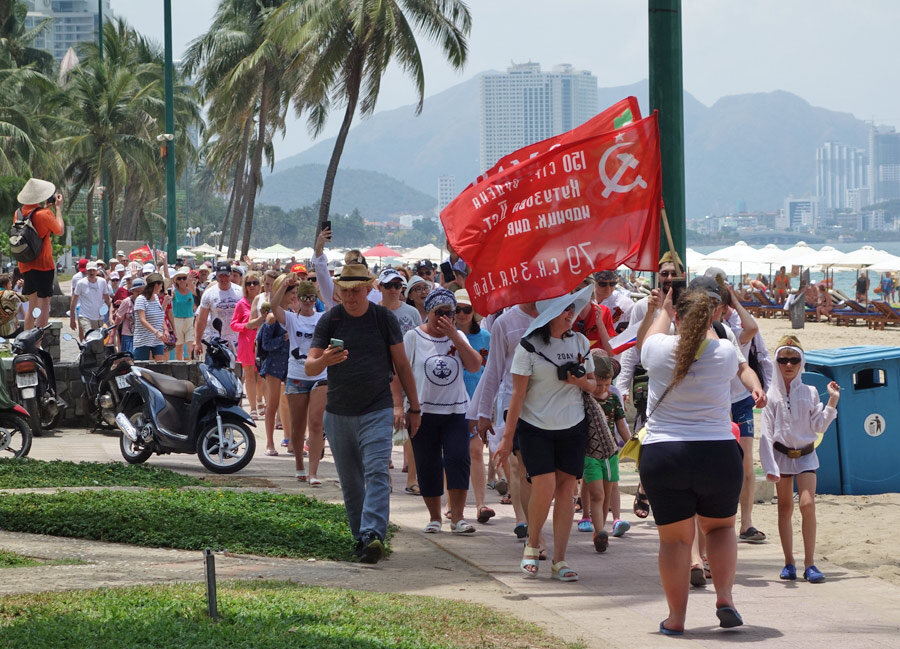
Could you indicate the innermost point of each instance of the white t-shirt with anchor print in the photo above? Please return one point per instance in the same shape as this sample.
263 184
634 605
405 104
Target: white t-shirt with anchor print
438 372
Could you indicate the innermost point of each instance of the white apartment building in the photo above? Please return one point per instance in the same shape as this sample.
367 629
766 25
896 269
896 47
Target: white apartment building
74 22
526 105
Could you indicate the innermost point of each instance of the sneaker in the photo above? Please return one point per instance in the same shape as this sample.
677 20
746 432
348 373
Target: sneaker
788 573
813 575
601 541
372 550
585 525
620 527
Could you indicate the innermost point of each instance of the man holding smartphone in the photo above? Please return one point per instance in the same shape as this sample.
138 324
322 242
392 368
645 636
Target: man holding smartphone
38 273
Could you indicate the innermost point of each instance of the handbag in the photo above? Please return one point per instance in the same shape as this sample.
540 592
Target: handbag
601 443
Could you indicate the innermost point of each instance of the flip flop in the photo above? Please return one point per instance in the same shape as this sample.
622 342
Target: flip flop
506 500
301 475
485 514
752 535
698 580
728 617
641 505
314 482
521 530
665 631
502 486
412 490
271 452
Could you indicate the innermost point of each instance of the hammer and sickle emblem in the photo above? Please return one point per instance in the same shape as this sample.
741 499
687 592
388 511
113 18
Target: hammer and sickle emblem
628 162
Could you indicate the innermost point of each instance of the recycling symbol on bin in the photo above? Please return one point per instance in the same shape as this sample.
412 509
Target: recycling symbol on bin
441 370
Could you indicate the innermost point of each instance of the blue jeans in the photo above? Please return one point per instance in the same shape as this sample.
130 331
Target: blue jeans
361 446
127 343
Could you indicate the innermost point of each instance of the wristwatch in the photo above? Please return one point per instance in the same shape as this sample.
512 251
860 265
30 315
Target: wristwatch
414 412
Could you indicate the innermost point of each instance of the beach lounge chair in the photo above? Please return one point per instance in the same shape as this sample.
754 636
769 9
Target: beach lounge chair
889 315
767 308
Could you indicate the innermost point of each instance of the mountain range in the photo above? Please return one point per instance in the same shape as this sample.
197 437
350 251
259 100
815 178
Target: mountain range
757 148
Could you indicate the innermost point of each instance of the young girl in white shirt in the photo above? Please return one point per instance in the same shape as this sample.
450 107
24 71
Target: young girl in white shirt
793 416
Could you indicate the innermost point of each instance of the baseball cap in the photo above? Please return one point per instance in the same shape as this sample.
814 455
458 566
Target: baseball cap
120 268
114 275
91 265
120 253
424 264
389 274
714 271
223 267
138 283
299 268
461 268
183 271
706 284
149 267
237 268
82 263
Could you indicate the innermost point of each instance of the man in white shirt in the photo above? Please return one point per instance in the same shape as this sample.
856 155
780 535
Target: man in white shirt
218 301
619 302
91 292
506 332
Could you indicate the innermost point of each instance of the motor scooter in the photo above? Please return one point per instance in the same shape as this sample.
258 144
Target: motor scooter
160 414
35 380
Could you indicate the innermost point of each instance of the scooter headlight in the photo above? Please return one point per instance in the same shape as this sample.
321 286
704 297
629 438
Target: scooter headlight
216 385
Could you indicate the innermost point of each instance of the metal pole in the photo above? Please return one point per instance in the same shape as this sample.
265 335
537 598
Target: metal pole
667 96
104 213
212 607
170 130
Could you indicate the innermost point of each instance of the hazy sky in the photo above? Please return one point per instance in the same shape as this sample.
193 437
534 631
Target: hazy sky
833 53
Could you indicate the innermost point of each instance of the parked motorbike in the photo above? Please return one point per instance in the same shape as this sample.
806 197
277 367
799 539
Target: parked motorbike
104 372
161 414
35 381
15 433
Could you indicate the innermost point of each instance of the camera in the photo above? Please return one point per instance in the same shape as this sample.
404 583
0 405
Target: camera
575 369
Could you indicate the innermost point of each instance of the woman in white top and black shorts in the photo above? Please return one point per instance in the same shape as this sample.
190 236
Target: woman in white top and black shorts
551 368
690 463
438 352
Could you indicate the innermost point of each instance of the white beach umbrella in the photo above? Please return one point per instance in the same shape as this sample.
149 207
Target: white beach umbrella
865 256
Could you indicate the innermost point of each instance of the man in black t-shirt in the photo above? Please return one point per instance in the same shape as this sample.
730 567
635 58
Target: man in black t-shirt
361 345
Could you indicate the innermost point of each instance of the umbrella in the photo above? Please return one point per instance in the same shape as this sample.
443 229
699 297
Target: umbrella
862 257
380 251
739 252
429 251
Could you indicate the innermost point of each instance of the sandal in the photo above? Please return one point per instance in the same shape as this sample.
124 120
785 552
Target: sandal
502 486
698 579
271 452
433 527
506 500
752 535
578 506
413 490
641 504
521 530
285 442
485 514
585 525
728 617
462 527
301 475
448 515
706 571
601 541
530 559
314 482
562 572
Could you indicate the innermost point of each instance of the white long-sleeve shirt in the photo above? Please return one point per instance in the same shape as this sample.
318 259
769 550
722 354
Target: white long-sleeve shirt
506 332
326 283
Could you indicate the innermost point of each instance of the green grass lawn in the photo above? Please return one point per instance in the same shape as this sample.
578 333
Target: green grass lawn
190 519
257 615
24 473
14 560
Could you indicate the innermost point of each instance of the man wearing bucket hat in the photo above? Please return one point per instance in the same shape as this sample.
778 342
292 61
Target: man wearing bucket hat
361 345
551 369
39 272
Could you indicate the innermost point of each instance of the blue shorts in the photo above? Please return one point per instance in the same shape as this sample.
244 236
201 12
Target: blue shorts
143 353
127 343
302 386
742 415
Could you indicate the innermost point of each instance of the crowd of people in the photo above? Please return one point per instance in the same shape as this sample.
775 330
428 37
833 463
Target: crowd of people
368 358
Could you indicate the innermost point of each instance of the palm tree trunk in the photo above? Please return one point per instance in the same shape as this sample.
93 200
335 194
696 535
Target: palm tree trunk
331 172
90 219
230 204
256 164
240 182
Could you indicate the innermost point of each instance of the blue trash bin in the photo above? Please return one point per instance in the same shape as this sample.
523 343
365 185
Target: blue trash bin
859 453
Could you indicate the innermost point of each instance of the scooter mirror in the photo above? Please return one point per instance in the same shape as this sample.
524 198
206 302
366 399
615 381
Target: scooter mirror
217 325
36 312
104 310
68 336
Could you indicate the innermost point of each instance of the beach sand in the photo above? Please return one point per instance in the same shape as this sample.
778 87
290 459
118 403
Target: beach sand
858 532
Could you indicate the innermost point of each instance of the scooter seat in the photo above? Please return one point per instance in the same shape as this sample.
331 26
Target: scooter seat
169 386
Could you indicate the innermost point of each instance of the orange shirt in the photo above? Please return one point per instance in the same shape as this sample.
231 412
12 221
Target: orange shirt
44 222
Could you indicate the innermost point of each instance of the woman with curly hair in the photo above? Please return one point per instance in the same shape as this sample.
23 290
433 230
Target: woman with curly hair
690 463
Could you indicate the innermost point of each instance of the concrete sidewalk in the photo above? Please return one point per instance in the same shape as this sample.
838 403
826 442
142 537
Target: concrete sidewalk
618 601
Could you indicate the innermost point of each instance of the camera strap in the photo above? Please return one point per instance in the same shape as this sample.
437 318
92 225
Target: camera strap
530 348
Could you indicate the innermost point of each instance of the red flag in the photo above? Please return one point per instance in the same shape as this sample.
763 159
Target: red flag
142 254
534 230
616 116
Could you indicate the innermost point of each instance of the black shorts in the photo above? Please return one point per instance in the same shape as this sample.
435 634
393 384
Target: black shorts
38 281
686 478
547 451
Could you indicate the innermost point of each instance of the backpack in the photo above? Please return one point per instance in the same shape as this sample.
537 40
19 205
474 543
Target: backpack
25 243
752 354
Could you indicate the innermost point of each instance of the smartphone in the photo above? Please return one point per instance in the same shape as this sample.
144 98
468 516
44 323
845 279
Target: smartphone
337 343
447 272
327 226
679 284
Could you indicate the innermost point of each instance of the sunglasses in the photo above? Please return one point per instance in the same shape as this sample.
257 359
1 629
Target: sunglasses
426 272
668 273
464 309
252 284
571 307
441 313
394 285
307 298
793 360
311 278
180 279
609 284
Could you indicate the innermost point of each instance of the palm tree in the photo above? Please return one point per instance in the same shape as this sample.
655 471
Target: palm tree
342 48
16 41
240 73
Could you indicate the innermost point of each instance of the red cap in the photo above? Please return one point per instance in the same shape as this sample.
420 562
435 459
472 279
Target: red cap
82 263
299 268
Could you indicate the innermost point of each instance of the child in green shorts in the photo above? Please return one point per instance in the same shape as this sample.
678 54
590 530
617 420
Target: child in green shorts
601 476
